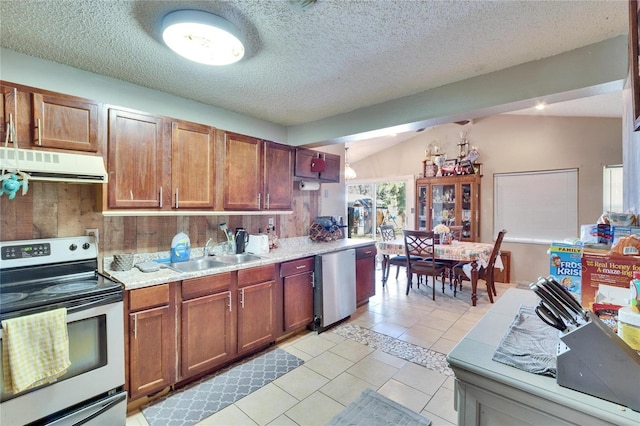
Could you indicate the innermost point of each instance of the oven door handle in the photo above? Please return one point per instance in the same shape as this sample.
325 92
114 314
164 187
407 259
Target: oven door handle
112 298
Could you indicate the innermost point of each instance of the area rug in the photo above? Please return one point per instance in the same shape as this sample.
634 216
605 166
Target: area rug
199 400
373 409
418 355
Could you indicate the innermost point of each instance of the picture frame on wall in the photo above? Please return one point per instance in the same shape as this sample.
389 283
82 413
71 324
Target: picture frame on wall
633 62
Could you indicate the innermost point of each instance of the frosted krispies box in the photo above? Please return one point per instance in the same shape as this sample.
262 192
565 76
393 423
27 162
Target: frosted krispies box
566 266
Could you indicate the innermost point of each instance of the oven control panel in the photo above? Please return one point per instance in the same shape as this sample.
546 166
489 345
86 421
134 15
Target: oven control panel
26 251
17 254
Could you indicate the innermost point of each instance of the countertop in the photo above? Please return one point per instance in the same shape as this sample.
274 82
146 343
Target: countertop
473 355
288 249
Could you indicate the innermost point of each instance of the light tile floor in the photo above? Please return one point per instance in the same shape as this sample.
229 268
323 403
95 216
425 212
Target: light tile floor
337 370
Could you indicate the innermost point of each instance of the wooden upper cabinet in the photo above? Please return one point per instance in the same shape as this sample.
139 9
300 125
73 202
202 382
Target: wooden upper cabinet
192 165
65 122
303 165
242 167
277 176
332 168
16 106
135 154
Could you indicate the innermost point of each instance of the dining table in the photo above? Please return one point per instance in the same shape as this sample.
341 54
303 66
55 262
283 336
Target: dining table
475 254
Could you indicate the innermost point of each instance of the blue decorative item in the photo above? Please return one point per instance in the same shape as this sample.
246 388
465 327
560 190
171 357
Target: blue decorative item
11 183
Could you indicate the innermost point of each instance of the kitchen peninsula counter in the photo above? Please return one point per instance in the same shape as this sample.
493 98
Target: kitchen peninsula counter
489 392
289 249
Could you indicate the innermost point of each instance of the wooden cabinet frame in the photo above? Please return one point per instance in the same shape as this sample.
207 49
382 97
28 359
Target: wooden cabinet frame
458 195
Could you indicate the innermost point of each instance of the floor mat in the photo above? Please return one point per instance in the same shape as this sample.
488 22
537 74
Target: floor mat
373 409
210 394
418 355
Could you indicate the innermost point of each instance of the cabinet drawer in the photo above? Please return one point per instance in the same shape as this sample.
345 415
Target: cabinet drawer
205 285
256 275
297 266
367 251
148 297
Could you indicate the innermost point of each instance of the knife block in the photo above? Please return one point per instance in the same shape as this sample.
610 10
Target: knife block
598 362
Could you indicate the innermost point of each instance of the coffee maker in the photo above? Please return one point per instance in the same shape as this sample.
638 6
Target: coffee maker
242 238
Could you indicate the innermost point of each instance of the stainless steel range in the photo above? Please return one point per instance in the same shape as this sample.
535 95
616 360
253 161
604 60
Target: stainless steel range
42 275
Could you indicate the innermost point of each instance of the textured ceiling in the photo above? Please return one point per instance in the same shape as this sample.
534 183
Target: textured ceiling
336 57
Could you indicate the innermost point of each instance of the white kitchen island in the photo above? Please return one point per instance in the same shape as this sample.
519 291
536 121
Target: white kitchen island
492 393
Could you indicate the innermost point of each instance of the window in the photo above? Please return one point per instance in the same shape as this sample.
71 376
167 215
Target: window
536 207
612 188
368 211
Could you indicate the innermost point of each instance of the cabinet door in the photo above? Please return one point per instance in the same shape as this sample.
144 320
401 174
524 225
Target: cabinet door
365 274
65 123
277 176
443 204
135 160
192 165
8 109
332 168
207 333
151 351
298 301
303 163
255 316
242 173
469 210
422 207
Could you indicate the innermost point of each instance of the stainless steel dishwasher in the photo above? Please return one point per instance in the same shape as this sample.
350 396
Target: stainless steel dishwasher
334 297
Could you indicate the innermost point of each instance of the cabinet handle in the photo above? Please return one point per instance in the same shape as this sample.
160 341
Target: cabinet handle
11 130
313 280
38 133
176 198
242 298
135 326
259 199
301 267
266 201
229 294
160 197
368 252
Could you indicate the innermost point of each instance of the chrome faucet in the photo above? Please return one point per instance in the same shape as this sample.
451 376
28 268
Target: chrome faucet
205 251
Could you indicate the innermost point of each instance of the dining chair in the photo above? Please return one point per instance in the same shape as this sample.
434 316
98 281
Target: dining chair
485 274
421 244
388 233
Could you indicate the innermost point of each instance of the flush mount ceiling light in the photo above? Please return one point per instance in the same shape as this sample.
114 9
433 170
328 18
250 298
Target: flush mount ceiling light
202 37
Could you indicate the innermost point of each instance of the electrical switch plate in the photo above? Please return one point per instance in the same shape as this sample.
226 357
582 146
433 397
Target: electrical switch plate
92 232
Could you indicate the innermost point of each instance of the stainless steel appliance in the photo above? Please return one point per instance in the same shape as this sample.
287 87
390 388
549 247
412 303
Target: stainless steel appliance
41 275
334 297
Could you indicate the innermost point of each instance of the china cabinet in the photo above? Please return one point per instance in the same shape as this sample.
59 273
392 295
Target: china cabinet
449 200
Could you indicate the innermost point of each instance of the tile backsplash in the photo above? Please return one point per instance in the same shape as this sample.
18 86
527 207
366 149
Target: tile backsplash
52 209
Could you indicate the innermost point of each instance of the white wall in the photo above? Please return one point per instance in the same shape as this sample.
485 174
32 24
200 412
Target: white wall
512 143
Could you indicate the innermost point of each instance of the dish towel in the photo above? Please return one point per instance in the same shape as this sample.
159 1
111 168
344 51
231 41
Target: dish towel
35 349
529 344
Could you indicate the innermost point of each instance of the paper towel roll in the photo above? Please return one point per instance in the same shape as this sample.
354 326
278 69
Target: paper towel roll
309 186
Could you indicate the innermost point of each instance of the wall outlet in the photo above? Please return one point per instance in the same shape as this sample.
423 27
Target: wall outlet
92 232
270 221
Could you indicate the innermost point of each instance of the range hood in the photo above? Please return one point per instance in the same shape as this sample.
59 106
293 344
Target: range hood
54 166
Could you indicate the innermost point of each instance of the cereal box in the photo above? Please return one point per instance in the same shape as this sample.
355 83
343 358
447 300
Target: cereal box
566 266
605 278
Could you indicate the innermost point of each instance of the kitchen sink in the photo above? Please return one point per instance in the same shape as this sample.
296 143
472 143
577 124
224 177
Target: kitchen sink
197 265
237 258
200 264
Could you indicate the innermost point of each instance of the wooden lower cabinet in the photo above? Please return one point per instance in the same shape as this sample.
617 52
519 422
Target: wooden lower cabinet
151 340
297 291
207 328
365 273
256 323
